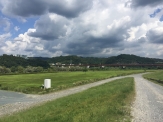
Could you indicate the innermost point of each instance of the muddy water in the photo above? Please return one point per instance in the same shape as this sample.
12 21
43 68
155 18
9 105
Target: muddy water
7 97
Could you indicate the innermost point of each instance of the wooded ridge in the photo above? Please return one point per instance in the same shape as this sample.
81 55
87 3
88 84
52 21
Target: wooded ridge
10 60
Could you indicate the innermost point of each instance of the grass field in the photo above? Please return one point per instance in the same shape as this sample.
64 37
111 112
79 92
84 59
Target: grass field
106 103
155 76
30 83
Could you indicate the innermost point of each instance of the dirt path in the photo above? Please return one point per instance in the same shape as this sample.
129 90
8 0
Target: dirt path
28 101
148 105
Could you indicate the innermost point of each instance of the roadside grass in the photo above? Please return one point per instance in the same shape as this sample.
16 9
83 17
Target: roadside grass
31 83
109 102
156 77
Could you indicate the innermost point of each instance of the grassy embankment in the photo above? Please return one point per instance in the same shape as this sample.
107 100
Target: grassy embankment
30 83
156 77
109 102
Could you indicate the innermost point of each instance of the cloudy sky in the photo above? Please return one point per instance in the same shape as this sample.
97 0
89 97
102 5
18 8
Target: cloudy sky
98 28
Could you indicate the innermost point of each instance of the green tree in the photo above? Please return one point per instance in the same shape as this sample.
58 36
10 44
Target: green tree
20 69
13 69
85 70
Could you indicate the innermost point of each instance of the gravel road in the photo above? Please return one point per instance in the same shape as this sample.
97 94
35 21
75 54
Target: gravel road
10 104
147 107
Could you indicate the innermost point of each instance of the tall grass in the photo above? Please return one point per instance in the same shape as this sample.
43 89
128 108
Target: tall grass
155 76
31 83
106 103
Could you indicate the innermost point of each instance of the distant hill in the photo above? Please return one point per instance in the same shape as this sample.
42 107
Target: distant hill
10 61
40 58
77 60
120 59
132 59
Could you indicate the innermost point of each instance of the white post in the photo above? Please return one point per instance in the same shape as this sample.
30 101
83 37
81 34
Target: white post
47 83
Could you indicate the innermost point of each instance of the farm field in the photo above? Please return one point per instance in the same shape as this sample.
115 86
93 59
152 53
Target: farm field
31 83
156 77
108 102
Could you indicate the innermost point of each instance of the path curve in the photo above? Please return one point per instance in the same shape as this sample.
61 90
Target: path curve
28 101
147 107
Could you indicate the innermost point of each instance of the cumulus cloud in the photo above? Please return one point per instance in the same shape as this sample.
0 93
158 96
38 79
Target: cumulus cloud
23 8
16 28
67 8
5 36
155 35
86 28
3 39
50 27
141 3
5 23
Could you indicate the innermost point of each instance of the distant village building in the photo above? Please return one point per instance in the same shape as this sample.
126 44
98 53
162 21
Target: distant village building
124 67
102 66
51 64
58 63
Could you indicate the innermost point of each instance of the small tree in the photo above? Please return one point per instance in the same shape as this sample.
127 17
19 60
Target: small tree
85 70
20 69
13 69
40 69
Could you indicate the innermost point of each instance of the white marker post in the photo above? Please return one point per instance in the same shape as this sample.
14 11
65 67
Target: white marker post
47 83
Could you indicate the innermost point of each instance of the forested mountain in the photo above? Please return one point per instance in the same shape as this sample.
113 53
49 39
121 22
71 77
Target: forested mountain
131 59
10 61
120 59
77 60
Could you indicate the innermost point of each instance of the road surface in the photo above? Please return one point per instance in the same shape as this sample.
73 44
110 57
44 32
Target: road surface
148 104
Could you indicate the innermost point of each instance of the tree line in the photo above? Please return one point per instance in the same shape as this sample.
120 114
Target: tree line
120 59
9 61
13 64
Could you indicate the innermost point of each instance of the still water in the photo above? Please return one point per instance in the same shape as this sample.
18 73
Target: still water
7 97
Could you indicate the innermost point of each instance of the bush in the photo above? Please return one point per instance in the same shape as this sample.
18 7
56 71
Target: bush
4 70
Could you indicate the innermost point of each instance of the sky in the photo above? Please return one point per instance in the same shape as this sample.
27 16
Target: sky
89 28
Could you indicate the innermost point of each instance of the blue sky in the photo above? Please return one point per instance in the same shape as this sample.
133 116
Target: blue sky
98 28
17 25
155 12
22 26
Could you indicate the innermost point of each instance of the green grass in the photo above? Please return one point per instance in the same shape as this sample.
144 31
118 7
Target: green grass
109 102
30 83
156 77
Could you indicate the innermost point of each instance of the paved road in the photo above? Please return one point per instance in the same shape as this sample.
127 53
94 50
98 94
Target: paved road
148 105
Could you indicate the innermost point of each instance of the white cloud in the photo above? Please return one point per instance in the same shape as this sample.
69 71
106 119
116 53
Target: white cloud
16 28
96 28
5 36
39 48
5 23
57 47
